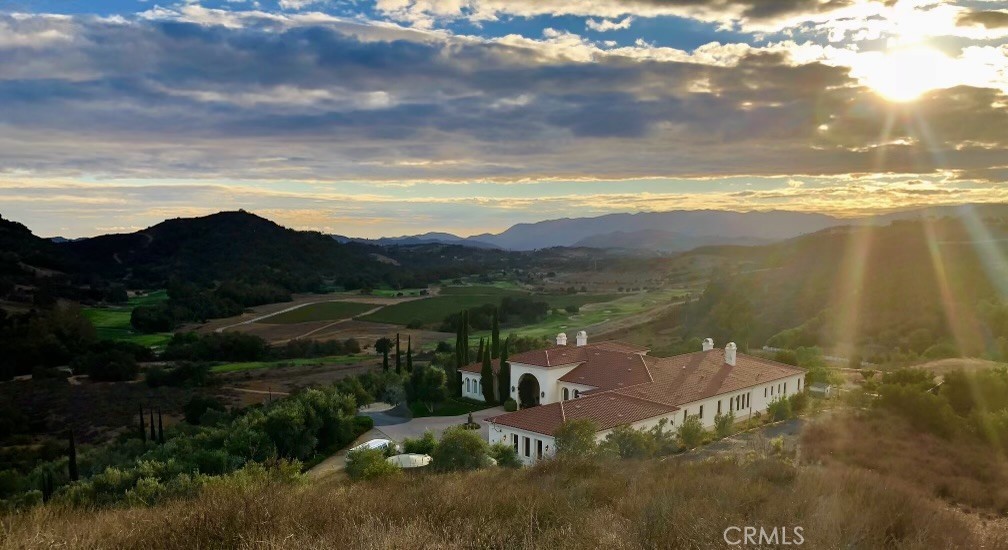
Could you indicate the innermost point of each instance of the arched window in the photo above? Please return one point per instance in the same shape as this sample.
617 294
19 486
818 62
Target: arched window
566 394
468 385
577 393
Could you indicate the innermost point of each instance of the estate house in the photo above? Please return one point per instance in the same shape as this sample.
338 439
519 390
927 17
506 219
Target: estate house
617 384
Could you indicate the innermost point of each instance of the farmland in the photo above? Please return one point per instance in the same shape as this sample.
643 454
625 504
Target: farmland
322 311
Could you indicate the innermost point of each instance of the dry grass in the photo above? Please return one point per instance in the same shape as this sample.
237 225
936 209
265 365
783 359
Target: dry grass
620 505
962 471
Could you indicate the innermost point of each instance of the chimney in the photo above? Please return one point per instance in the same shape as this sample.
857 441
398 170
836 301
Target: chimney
562 339
729 353
708 344
582 338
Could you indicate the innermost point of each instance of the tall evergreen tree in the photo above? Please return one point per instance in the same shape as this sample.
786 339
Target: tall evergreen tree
495 336
465 337
504 373
479 352
398 355
72 459
487 378
153 436
143 427
409 354
458 344
160 428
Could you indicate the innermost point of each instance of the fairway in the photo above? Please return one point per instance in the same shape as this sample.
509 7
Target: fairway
113 323
324 311
336 360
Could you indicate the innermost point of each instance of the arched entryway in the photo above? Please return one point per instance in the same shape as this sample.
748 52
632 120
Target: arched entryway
528 391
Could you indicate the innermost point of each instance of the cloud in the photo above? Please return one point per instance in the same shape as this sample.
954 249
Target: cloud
606 25
987 19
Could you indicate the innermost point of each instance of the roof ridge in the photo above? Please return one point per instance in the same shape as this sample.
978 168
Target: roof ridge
646 368
563 414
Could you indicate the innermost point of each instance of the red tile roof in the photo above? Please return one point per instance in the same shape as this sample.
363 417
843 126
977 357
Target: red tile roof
632 391
477 367
568 355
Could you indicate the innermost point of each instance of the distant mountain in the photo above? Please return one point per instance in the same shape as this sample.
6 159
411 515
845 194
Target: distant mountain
408 240
713 226
662 241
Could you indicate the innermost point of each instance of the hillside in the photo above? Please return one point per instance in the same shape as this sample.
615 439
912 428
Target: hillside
911 288
629 504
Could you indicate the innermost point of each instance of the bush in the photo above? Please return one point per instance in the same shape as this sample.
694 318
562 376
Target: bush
691 432
198 406
184 373
576 439
362 425
799 402
369 464
505 455
107 366
627 442
510 405
779 409
723 424
423 445
458 450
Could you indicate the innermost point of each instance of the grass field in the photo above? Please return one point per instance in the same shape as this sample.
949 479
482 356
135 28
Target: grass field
431 311
113 323
335 360
325 311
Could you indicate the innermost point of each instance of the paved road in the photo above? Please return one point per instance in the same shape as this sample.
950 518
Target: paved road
397 428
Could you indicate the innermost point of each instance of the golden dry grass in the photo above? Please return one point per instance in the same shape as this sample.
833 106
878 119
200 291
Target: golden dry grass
611 505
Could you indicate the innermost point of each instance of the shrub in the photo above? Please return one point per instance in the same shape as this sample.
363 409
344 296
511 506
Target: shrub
423 445
363 424
369 464
505 455
799 402
691 432
627 442
510 405
198 406
779 409
723 424
576 438
459 449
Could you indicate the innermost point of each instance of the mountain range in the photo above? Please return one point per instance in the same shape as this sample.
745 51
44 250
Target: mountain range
672 231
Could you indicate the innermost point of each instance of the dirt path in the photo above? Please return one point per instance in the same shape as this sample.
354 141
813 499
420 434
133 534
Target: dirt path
334 323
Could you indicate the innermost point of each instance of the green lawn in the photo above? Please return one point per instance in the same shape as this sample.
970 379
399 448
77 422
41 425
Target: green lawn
113 323
454 406
335 360
325 311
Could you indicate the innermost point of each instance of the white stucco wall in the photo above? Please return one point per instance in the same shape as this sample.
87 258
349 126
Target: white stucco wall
471 386
505 434
548 378
581 388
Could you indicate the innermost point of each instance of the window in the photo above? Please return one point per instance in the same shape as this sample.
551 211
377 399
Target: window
701 411
684 415
538 448
719 406
577 393
764 392
566 394
468 385
771 390
747 400
731 405
528 447
799 384
785 388
514 442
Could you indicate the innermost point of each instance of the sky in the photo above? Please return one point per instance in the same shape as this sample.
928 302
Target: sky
392 117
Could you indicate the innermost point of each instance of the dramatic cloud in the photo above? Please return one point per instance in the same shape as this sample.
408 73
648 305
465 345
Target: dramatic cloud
987 19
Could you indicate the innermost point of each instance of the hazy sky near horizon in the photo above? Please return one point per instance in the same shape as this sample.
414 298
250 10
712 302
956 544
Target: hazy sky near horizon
389 117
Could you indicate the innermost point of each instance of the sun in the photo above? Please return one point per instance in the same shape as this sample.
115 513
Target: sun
904 74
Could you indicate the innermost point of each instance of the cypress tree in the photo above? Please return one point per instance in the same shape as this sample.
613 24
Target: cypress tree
384 360
160 428
504 374
495 336
479 353
398 355
72 456
487 378
153 436
409 354
143 427
458 343
465 337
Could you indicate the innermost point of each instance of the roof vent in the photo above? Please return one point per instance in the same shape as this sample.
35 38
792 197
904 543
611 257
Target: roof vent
582 338
708 344
729 353
562 339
